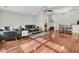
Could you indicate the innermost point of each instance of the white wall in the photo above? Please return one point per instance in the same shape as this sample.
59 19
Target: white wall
68 18
15 19
40 21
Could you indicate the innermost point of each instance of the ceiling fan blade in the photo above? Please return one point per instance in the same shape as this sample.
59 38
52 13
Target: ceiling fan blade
45 10
39 10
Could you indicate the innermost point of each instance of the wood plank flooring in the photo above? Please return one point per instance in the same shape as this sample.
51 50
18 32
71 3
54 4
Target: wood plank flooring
60 43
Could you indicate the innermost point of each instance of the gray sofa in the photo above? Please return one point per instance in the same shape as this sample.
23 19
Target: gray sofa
5 35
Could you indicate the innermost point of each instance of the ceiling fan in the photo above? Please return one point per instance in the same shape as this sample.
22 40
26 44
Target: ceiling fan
45 10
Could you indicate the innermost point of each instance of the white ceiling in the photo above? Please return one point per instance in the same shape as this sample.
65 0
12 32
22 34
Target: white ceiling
28 10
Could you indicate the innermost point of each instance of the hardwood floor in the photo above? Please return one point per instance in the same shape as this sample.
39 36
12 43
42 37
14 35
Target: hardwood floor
70 42
60 43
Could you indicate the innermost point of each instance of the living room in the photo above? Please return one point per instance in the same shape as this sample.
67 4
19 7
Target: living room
39 29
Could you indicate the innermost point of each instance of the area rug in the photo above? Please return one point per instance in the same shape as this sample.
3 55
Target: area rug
38 35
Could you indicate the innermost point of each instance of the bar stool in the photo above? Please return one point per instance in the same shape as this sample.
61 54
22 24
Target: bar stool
51 31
